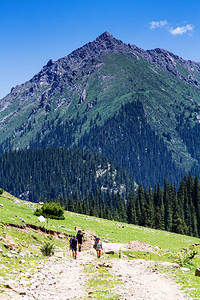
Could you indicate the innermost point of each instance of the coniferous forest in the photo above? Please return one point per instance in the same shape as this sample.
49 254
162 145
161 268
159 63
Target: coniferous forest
168 208
86 183
40 174
126 139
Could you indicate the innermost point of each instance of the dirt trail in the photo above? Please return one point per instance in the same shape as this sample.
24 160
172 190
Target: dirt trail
61 277
141 281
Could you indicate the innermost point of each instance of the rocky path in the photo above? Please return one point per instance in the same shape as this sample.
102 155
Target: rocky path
61 277
143 283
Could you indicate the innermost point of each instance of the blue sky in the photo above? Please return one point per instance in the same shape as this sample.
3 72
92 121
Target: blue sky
34 31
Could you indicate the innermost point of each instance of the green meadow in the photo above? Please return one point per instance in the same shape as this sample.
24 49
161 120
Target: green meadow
172 247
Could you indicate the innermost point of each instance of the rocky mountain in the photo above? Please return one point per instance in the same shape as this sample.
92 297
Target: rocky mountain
86 92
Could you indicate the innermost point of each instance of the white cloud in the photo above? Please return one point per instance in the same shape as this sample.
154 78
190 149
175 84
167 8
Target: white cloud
181 30
154 25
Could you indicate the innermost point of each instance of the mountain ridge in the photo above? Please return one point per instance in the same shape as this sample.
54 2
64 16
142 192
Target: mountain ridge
106 39
89 86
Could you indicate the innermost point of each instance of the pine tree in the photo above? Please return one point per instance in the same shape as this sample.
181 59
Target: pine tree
179 225
131 213
160 207
85 206
196 199
168 205
70 203
140 205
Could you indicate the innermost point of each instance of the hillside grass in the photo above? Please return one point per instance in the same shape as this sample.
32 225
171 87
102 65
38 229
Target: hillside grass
31 241
106 229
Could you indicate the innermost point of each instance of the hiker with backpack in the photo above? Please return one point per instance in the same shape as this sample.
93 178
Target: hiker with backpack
98 247
79 237
73 246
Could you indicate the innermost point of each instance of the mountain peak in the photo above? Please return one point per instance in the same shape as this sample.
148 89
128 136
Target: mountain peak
105 35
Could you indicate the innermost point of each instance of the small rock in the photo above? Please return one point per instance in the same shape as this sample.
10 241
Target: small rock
22 254
9 255
185 269
61 236
22 261
105 265
22 293
1 205
22 220
156 248
110 252
131 255
17 201
41 219
168 264
197 272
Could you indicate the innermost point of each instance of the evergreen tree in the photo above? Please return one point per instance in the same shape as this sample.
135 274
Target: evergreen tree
196 199
140 205
160 204
131 213
71 203
167 197
85 206
179 225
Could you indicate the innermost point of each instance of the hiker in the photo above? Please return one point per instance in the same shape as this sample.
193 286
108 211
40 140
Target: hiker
79 237
98 247
73 246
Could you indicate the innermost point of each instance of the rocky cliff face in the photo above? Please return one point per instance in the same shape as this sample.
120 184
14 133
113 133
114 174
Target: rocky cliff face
63 75
60 79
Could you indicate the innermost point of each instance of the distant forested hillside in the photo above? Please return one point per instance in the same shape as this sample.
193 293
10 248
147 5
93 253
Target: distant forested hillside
41 174
126 139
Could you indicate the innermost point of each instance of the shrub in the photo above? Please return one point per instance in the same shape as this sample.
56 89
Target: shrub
1 191
52 210
48 249
38 212
185 256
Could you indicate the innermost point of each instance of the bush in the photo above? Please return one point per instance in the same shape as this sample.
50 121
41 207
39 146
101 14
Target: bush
52 210
48 249
1 191
38 212
185 256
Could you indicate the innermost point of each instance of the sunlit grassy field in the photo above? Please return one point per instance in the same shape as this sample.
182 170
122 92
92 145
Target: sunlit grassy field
15 211
112 231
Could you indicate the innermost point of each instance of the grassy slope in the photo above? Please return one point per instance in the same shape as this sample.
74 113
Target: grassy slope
110 230
31 241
